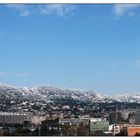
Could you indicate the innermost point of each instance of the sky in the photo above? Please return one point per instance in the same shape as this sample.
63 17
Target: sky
94 47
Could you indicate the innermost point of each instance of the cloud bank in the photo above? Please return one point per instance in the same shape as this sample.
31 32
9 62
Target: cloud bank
121 9
58 9
21 8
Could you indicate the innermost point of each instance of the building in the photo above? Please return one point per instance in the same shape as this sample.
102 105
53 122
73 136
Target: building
109 133
11 130
14 118
84 116
133 130
125 115
37 119
1 131
114 117
98 124
69 121
132 118
50 123
85 121
124 125
114 128
137 117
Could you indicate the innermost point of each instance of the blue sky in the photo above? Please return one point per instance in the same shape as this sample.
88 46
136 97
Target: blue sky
76 46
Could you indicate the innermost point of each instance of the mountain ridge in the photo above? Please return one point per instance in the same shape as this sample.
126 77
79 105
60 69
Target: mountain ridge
49 92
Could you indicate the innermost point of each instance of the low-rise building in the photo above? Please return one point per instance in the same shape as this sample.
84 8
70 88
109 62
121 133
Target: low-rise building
125 115
37 119
1 131
132 118
114 128
14 117
98 124
69 121
137 117
133 130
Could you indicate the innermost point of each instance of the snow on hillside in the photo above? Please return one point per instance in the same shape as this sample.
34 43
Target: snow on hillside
50 93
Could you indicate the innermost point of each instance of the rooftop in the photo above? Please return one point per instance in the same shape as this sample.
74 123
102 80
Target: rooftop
14 113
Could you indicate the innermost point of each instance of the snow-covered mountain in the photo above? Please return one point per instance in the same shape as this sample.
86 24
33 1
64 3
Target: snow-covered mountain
50 93
127 98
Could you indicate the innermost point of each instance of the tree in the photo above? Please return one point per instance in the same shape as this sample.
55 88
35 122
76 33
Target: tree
72 131
26 123
99 133
82 130
36 132
23 132
65 129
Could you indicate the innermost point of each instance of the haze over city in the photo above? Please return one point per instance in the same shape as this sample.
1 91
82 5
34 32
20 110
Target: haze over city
76 46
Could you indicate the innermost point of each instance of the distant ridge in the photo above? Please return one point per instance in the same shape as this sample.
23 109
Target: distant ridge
45 93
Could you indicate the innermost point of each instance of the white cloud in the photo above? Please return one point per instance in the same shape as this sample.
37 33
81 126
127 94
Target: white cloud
121 9
3 74
131 13
59 9
130 63
121 63
137 63
22 74
21 8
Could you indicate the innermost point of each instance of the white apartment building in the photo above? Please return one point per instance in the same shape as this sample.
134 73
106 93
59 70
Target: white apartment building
14 117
